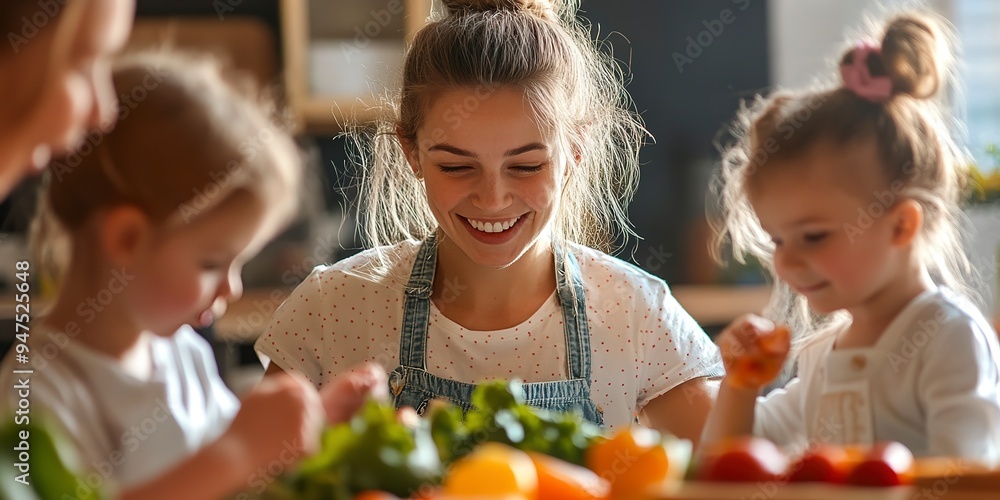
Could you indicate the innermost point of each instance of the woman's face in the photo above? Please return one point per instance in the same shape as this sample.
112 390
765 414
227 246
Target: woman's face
57 84
493 179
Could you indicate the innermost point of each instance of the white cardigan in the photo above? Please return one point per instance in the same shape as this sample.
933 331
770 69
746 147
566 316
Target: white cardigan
931 382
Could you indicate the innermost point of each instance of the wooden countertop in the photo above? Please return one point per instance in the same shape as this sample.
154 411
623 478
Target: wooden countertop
771 491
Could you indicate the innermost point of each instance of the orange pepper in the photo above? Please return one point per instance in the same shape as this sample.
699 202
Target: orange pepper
759 370
635 460
560 480
493 469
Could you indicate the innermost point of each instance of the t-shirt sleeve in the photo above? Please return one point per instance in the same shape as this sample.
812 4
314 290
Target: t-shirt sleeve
959 389
202 371
295 332
676 350
780 417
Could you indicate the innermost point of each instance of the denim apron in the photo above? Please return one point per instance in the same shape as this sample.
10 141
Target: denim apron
412 385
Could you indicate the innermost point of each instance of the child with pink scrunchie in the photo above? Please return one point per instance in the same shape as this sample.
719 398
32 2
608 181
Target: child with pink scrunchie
851 196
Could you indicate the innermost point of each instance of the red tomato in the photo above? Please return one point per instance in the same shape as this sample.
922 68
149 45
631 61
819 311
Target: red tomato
822 464
375 495
744 459
886 464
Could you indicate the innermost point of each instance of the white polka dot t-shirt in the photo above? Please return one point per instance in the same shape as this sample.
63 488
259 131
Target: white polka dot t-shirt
643 343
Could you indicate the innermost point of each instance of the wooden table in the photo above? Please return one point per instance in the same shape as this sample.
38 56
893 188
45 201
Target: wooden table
935 478
694 491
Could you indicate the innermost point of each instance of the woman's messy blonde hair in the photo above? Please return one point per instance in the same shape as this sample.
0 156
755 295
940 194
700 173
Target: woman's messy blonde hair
913 134
575 90
187 140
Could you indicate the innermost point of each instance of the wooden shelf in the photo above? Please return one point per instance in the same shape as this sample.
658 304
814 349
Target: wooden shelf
322 113
717 305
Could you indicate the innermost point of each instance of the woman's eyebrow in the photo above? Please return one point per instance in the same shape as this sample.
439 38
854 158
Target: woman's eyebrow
534 146
448 148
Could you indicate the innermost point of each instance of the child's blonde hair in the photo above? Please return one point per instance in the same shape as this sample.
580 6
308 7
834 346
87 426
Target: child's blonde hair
574 89
918 154
187 140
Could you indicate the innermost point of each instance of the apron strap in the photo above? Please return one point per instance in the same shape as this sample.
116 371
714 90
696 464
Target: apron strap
569 287
417 307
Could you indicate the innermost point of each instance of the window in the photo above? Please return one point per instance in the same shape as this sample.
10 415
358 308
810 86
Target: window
977 22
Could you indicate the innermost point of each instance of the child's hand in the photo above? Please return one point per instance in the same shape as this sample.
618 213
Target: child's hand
283 413
753 351
347 392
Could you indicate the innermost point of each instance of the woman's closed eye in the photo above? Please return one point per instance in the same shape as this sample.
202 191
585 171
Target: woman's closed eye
454 169
212 266
521 169
815 237
527 169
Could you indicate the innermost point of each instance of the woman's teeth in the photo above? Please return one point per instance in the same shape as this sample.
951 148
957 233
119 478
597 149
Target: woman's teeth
494 227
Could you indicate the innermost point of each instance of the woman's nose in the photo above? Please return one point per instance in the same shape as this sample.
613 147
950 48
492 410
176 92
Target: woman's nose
492 194
105 104
232 287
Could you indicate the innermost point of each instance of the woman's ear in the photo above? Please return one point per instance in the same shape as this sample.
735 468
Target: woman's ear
125 232
409 148
908 219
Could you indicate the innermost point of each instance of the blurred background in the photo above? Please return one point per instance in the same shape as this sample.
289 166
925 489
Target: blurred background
690 62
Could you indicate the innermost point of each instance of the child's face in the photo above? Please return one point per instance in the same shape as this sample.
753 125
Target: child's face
816 209
485 161
190 274
58 85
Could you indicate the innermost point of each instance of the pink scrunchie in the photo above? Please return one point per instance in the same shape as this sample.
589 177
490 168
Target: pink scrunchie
859 80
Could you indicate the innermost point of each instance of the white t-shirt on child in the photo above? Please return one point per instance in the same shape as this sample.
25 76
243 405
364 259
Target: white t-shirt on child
125 428
931 382
642 342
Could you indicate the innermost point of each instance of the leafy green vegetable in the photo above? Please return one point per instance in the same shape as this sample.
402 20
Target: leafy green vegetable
374 451
500 415
50 460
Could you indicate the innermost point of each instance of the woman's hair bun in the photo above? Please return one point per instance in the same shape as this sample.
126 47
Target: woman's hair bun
542 8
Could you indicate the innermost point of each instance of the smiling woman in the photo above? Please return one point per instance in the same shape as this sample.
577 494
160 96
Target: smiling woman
488 202
60 53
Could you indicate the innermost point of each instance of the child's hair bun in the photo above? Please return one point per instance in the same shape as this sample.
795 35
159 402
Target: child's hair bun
541 8
915 54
